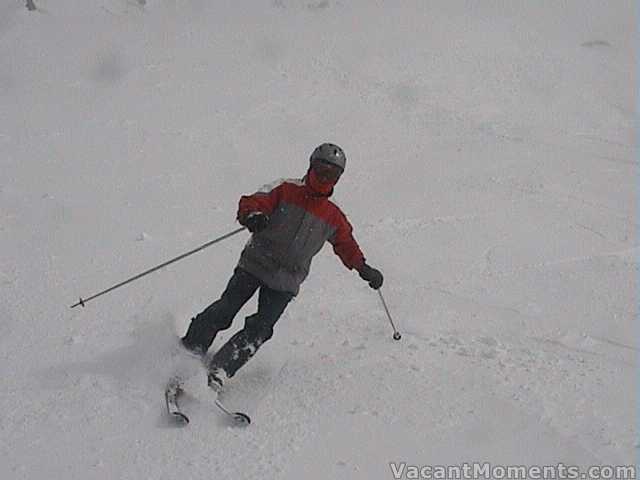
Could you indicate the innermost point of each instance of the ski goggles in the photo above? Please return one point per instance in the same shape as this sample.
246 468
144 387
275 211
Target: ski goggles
326 171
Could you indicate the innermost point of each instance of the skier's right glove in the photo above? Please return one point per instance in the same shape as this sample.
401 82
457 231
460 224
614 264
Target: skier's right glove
255 221
371 275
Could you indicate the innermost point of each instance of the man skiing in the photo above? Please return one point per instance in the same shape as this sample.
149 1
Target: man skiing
289 220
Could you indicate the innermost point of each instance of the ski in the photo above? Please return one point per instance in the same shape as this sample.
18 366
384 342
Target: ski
171 394
174 390
240 418
215 384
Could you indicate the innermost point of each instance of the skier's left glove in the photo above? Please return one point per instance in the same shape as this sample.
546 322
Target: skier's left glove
371 275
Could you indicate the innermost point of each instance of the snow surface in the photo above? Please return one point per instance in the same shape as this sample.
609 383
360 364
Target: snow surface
491 176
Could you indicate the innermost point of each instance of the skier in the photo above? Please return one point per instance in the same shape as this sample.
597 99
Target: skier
289 220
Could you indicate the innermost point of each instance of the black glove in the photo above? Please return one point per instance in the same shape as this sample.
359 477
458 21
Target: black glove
371 275
255 221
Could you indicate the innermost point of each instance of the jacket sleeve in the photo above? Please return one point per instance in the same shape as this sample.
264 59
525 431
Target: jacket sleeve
264 200
345 246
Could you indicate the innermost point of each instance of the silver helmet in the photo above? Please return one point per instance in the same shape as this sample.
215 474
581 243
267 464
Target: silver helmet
330 153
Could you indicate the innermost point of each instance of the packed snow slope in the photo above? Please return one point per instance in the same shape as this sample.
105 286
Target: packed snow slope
491 176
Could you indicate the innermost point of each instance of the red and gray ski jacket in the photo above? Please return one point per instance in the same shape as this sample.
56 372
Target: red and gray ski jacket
300 222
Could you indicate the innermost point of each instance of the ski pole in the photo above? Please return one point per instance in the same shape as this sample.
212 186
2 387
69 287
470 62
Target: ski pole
396 333
180 257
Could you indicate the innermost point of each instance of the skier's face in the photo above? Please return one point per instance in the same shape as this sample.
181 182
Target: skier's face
326 172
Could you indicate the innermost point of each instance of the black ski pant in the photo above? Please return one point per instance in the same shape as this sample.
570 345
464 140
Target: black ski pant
258 328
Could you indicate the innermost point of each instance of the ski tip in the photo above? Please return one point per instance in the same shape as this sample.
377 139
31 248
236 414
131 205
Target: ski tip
180 418
242 418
